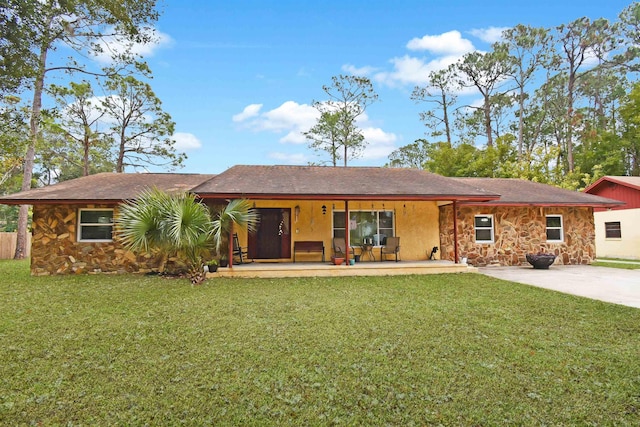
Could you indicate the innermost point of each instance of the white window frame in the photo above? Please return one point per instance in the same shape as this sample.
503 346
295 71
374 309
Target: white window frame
492 229
547 228
375 212
81 224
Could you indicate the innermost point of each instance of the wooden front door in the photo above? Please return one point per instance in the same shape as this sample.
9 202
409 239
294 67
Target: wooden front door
273 238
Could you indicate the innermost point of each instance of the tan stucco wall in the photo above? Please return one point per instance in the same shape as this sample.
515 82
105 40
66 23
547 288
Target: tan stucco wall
416 223
628 246
518 231
55 249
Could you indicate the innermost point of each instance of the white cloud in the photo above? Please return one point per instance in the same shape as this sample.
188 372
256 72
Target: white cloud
412 70
449 43
249 111
380 143
290 118
489 35
113 45
186 141
362 71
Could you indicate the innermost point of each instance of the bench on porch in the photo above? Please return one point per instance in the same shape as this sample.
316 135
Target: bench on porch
308 246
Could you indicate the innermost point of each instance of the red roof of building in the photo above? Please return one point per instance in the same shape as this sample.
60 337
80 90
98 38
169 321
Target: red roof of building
623 188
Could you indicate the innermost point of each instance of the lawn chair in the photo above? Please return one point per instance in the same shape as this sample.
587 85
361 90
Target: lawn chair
239 251
391 246
339 247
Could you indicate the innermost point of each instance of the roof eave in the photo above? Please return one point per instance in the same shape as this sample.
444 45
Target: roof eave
60 201
399 197
544 204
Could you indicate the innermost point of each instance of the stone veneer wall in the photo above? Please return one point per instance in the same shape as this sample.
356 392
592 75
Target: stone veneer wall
518 231
55 249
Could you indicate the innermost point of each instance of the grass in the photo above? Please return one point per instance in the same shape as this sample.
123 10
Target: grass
617 263
417 350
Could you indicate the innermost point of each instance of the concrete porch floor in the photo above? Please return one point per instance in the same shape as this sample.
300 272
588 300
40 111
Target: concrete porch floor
326 269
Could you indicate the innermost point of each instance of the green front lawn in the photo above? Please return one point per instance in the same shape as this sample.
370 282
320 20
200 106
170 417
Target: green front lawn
617 263
418 350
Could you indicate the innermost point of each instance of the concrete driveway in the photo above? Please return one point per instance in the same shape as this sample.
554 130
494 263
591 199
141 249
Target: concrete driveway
601 283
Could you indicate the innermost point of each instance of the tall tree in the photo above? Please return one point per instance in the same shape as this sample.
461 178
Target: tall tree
583 43
486 72
527 47
141 129
40 26
630 117
349 97
441 90
410 156
325 135
79 118
13 132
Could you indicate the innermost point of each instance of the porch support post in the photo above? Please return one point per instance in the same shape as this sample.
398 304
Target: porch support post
231 246
346 229
455 232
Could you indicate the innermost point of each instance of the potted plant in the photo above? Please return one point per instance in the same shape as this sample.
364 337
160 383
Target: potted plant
212 266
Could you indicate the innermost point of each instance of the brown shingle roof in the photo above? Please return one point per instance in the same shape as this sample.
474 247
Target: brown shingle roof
106 187
338 183
522 192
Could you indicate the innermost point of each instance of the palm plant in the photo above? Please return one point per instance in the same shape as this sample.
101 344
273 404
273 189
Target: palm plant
237 213
168 224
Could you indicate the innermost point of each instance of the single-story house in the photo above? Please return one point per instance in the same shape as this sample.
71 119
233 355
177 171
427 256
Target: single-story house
617 231
478 220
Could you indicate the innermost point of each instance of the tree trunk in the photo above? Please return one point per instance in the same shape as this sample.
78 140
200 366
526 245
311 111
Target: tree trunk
445 118
30 155
120 162
521 123
487 121
85 157
572 79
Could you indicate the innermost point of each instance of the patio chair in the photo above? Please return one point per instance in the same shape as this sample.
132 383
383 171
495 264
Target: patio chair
239 251
391 246
339 247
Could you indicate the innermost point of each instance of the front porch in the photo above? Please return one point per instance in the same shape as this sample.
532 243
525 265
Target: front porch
326 269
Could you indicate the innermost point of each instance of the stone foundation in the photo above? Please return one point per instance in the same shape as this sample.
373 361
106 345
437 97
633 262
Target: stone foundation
518 231
55 249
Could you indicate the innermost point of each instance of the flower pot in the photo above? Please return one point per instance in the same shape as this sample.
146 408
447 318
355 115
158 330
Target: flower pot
352 261
337 261
212 268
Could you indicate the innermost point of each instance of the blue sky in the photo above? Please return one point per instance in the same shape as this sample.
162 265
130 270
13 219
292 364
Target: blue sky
238 77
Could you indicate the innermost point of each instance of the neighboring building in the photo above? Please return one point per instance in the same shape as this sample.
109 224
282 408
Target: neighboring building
617 231
496 221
